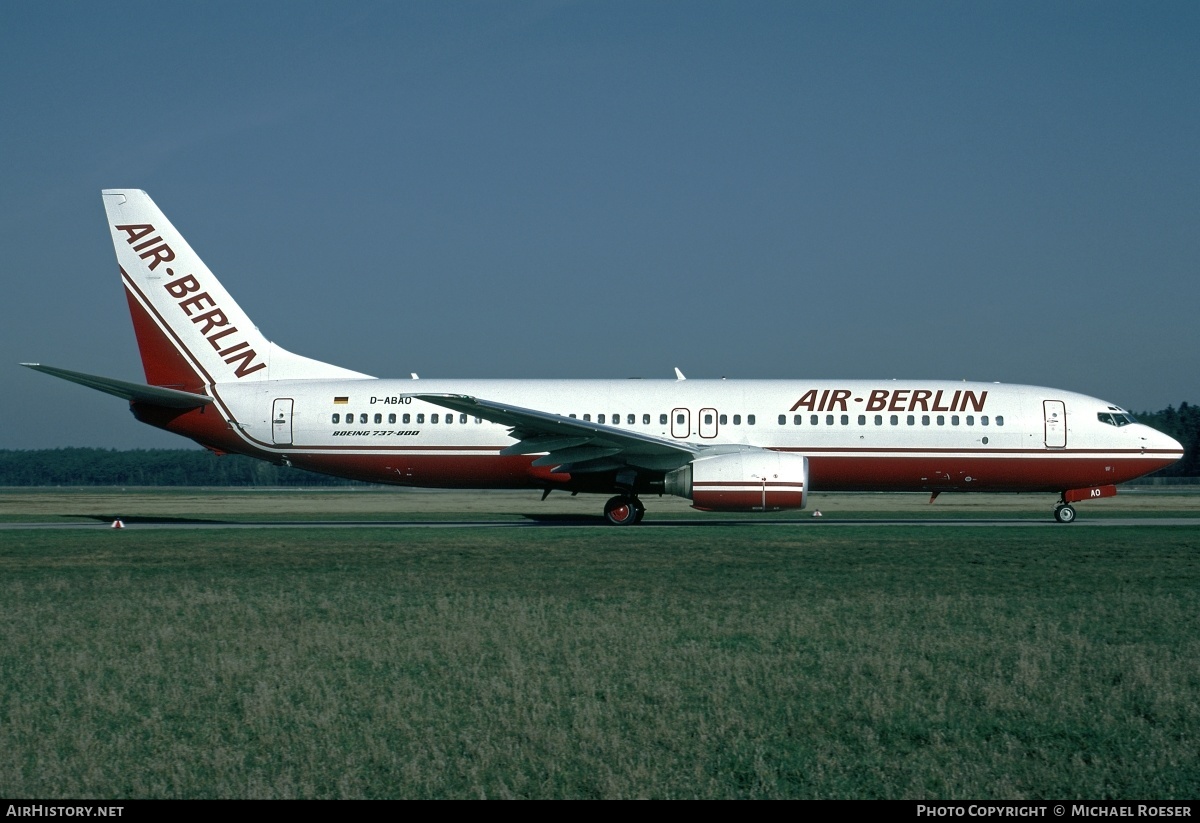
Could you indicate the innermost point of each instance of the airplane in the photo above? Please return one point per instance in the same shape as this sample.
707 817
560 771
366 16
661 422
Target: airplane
726 445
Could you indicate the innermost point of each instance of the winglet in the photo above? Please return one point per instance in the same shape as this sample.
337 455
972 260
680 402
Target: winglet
679 374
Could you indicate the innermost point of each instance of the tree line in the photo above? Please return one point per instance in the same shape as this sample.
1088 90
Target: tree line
149 467
193 467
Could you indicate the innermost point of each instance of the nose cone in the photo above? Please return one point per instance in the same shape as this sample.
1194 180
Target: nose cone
1163 445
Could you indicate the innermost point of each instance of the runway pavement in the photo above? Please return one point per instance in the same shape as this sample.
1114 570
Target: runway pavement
142 524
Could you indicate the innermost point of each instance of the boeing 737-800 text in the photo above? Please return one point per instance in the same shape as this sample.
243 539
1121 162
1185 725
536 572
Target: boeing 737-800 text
727 445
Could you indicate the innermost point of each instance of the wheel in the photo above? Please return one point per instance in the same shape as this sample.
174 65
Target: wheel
1064 514
622 510
641 511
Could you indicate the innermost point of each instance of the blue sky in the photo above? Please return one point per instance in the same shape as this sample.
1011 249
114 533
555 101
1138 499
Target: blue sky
995 191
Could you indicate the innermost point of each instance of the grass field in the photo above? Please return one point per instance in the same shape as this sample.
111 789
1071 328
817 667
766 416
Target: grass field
743 661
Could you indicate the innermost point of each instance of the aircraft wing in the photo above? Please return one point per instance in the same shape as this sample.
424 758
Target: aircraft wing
156 395
572 445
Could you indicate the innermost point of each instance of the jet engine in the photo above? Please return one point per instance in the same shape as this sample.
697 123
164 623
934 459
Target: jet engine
753 480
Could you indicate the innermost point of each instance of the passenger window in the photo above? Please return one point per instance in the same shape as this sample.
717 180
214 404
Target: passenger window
895 420
912 420
954 420
588 418
572 416
941 419
337 418
421 418
879 420
970 420
391 419
362 418
999 420
924 420
599 418
783 419
449 419
845 420
708 419
737 420
616 419
630 419
798 420
829 420
862 420
462 418
379 418
645 420
983 421
814 420
749 420
662 420
433 418
406 419
723 419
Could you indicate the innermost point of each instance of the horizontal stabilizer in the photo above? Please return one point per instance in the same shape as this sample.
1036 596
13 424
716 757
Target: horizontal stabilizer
139 392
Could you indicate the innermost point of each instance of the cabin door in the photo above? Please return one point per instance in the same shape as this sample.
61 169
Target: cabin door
708 422
281 421
1056 423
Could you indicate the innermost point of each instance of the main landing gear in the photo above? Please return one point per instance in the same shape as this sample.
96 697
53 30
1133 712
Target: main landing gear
624 510
1064 513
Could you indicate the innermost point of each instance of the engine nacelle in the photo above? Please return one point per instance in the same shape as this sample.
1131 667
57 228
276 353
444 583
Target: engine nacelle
756 480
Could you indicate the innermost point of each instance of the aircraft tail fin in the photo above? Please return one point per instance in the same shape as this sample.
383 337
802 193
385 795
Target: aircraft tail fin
190 331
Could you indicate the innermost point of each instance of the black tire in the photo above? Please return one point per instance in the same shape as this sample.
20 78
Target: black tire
621 510
1064 514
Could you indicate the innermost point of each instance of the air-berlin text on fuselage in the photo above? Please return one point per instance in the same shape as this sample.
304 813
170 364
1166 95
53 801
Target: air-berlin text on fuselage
896 400
186 289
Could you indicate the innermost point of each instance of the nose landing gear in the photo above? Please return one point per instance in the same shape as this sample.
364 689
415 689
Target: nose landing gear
1064 513
624 510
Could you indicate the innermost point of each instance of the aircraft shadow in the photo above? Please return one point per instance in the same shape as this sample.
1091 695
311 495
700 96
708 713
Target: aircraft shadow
182 521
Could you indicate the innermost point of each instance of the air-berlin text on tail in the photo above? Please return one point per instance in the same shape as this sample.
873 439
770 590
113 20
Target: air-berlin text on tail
896 400
186 290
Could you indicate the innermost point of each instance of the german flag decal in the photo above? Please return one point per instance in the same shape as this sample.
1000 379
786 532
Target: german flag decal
341 401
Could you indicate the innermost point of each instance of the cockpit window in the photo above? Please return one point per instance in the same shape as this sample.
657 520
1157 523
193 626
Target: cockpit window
1116 418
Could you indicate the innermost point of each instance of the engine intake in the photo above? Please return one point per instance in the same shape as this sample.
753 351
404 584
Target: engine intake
748 481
